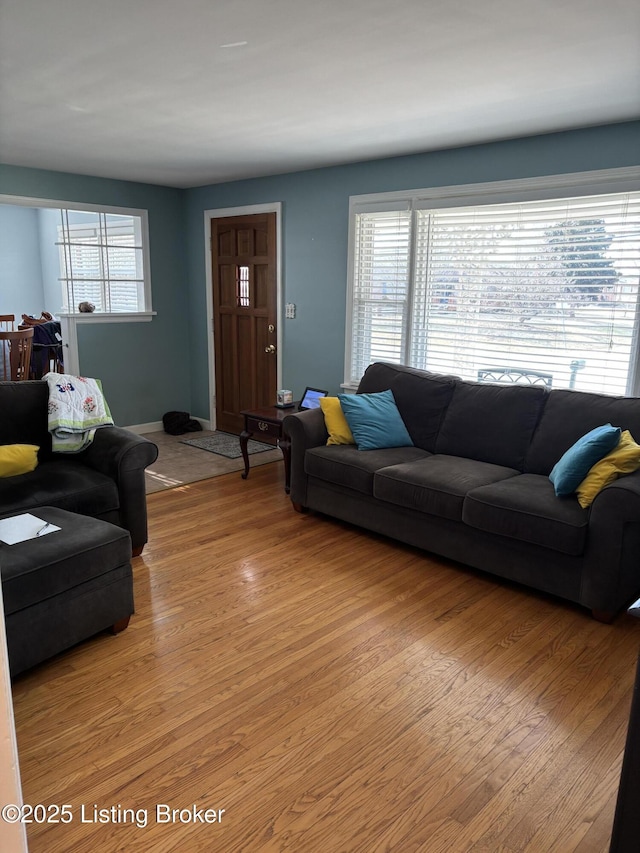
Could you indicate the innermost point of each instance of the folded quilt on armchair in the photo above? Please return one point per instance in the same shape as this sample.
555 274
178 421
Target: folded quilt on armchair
77 408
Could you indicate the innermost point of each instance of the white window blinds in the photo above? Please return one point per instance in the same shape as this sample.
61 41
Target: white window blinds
541 286
101 261
381 287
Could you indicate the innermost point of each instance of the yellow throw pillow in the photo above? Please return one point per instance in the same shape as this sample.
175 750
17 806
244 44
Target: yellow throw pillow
335 421
17 459
623 459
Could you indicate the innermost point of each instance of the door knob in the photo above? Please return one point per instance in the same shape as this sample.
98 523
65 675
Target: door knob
270 349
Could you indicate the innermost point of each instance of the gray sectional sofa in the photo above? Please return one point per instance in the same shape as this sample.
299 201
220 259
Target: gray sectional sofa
475 486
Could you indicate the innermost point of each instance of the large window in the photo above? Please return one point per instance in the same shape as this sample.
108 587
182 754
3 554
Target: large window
547 285
102 261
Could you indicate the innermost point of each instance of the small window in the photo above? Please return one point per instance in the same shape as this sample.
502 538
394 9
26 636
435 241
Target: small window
102 261
242 287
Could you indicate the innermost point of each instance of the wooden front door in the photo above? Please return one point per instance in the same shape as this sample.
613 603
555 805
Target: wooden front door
245 324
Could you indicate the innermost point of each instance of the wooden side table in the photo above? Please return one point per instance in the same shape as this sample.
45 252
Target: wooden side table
267 422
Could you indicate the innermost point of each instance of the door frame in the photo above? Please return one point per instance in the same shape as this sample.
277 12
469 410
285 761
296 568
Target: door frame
221 213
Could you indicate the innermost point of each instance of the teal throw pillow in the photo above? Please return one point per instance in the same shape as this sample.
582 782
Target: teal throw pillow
374 420
571 469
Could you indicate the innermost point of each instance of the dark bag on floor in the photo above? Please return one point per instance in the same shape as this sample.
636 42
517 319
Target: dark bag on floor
177 423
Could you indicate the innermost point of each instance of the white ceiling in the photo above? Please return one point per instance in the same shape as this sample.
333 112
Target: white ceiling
153 90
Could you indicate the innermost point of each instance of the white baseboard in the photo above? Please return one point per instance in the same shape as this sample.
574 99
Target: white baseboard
140 429
156 426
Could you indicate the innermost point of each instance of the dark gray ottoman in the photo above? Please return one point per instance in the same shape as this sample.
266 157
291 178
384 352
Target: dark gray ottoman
66 586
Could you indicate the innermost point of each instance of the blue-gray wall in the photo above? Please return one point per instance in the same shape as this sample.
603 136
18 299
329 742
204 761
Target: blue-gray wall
150 368
144 367
315 223
48 222
21 274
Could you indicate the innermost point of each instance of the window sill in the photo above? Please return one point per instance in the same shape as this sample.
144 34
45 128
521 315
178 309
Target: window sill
117 317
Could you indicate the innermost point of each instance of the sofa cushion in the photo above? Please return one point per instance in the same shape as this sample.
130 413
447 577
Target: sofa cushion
344 465
422 401
526 508
568 415
64 484
574 465
374 420
437 484
379 376
18 459
623 459
27 402
491 423
335 421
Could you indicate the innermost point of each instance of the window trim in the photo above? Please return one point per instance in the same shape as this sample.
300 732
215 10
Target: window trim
104 317
574 184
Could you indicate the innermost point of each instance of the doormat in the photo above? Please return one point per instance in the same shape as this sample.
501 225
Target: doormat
225 444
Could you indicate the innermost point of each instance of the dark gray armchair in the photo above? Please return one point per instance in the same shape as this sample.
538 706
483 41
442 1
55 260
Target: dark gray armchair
106 481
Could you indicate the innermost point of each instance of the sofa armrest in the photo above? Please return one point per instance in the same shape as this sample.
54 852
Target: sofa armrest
123 456
627 485
612 567
115 451
305 429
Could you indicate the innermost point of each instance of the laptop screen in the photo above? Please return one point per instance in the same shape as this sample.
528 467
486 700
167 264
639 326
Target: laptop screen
311 398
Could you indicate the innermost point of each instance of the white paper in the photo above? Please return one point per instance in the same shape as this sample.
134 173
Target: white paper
20 528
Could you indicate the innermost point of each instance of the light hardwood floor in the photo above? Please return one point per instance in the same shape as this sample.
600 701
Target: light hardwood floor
332 691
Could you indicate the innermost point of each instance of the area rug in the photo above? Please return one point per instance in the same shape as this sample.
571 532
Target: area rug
225 444
178 465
